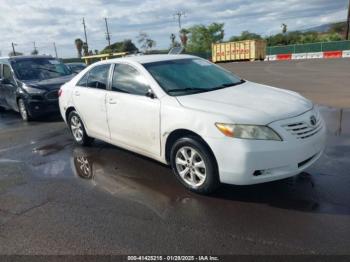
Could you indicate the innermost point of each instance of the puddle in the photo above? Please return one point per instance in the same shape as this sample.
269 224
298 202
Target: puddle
49 149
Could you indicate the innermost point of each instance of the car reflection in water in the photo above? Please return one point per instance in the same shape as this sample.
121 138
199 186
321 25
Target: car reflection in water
112 170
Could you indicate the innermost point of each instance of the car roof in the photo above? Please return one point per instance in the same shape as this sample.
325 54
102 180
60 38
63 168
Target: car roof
29 57
143 59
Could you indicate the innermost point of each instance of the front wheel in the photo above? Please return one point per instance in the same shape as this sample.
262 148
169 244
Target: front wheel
194 165
78 130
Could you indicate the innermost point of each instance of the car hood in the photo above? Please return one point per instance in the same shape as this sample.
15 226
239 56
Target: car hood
49 84
249 103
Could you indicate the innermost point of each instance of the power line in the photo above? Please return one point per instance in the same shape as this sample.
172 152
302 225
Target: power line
108 36
179 15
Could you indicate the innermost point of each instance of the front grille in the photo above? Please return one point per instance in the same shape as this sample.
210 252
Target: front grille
52 95
304 129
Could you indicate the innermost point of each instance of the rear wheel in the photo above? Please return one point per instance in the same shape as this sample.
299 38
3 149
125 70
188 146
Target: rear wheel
23 110
78 130
194 165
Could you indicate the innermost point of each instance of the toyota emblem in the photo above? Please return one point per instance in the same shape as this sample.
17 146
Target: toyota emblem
313 120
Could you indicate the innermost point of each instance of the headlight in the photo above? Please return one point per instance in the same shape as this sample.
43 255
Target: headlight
33 91
248 131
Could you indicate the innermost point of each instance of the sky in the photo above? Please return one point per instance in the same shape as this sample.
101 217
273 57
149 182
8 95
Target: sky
60 21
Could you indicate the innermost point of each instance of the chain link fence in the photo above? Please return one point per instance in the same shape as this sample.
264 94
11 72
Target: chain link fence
309 48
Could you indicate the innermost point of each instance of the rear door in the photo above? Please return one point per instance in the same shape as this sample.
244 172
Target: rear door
89 97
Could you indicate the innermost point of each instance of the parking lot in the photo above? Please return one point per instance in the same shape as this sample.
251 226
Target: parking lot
132 205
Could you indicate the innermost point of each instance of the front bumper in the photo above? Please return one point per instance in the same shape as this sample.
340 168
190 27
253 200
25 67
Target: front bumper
244 162
39 108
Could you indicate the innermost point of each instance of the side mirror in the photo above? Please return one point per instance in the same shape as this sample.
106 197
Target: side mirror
150 94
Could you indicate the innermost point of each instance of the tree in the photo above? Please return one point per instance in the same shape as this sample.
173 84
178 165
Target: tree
245 35
145 41
201 37
284 28
79 46
183 36
86 49
129 46
125 46
339 28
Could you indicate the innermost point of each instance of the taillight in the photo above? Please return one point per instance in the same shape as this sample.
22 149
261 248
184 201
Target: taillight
59 92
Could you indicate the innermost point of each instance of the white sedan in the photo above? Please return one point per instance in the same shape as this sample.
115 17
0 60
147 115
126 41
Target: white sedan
211 126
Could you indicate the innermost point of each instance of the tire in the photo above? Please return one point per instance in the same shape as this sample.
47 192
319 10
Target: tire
194 165
78 130
23 110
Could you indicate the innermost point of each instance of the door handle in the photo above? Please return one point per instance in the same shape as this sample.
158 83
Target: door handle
112 101
77 93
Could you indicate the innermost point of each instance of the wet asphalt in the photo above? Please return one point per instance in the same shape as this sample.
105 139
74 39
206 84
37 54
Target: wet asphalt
128 204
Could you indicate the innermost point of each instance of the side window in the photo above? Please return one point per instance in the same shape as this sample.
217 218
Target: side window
127 79
83 80
7 74
98 77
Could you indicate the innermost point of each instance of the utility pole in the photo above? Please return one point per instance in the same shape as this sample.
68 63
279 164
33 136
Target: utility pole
35 50
348 23
108 36
54 47
86 41
179 15
13 48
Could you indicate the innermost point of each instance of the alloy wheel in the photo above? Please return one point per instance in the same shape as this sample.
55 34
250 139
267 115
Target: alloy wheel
190 166
77 128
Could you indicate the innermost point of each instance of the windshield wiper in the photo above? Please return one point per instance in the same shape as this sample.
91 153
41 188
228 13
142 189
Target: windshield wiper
47 69
229 84
188 89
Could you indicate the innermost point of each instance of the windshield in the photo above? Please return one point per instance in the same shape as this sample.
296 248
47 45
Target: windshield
39 69
189 76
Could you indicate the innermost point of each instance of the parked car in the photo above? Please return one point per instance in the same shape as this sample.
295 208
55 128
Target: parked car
211 126
30 84
76 67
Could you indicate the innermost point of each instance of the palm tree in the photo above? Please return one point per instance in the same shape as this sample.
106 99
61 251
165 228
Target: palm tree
183 36
79 45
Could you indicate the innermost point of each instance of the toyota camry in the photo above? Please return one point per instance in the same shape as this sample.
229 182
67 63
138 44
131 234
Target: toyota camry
208 124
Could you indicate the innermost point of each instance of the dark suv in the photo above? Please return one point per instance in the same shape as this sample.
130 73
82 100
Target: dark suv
30 84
